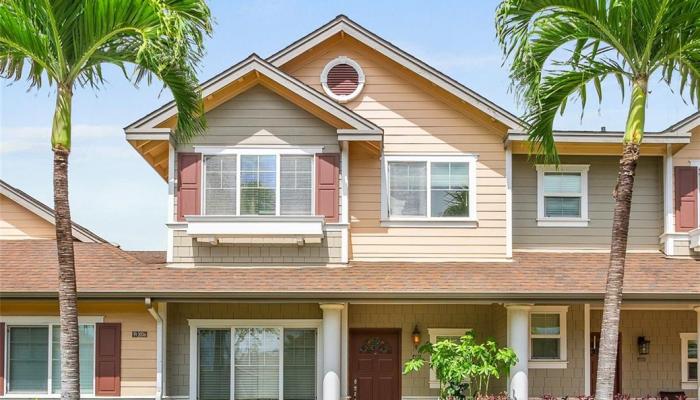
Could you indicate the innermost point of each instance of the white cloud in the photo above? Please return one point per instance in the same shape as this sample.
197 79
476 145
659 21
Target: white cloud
32 138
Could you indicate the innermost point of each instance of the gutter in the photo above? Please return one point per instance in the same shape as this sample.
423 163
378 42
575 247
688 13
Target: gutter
159 347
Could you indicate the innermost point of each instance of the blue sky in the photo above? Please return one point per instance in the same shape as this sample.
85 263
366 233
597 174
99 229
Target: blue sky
117 195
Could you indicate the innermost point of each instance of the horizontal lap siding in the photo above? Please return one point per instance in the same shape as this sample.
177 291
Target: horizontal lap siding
414 121
18 223
689 152
646 221
138 355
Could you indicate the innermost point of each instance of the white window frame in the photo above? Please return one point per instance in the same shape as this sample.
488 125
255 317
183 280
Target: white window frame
41 321
428 221
232 324
254 151
561 362
542 219
686 383
433 334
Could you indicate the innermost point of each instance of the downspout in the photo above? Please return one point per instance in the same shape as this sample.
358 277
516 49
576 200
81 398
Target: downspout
159 347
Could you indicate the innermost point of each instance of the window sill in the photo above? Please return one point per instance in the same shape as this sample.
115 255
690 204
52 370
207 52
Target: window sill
689 385
269 226
563 222
547 364
430 223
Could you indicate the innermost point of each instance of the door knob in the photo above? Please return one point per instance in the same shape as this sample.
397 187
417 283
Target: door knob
354 389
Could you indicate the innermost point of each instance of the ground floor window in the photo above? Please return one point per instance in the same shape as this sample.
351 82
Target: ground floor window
438 335
689 357
257 362
34 358
547 336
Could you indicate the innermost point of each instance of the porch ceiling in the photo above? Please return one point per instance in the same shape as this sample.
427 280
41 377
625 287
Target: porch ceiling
29 269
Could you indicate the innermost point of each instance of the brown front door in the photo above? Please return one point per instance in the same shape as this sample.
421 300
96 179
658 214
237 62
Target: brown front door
595 346
375 364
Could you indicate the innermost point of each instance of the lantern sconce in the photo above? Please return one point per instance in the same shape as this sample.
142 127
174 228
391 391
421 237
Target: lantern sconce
643 345
415 336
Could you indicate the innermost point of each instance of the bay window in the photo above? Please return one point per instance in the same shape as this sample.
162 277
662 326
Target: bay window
248 183
33 356
249 360
418 188
562 195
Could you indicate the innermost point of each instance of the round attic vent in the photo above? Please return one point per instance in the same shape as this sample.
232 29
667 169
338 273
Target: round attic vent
342 79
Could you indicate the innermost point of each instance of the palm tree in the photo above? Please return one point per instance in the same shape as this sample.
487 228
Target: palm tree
65 43
558 49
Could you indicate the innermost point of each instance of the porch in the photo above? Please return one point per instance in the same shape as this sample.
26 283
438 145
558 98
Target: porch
306 350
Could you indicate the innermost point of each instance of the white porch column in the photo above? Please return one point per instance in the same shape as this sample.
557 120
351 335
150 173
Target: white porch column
697 329
518 323
331 350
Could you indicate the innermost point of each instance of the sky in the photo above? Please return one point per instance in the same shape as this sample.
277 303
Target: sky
116 194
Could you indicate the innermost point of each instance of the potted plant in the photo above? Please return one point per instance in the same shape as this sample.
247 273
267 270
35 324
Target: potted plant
464 367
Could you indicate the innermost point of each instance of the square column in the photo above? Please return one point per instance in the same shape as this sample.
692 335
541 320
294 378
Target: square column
331 350
518 340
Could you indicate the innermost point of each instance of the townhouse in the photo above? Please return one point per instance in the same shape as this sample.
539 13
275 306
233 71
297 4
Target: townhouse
347 201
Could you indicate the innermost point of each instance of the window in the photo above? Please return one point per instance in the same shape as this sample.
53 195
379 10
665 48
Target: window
34 356
689 359
239 182
424 188
548 337
255 361
562 195
438 335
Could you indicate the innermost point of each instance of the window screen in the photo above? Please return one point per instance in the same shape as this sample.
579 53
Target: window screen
214 364
562 194
299 364
220 195
407 189
296 185
258 184
28 358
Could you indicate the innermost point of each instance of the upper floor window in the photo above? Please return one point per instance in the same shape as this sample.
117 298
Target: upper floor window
435 187
249 183
689 359
562 195
548 337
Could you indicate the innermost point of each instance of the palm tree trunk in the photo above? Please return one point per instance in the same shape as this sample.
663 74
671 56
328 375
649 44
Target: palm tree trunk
67 287
607 356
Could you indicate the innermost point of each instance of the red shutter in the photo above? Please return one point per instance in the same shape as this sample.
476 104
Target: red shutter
686 182
189 172
108 360
327 190
2 358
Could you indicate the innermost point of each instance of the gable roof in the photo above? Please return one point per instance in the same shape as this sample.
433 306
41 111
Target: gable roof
255 64
344 24
42 210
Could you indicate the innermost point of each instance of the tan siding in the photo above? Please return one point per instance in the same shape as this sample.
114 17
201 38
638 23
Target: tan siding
480 318
138 377
415 120
178 331
646 218
18 223
689 152
661 369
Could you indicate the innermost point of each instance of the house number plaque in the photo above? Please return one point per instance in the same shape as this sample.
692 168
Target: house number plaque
139 334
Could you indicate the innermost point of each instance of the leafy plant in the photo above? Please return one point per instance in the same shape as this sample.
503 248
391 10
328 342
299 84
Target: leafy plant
464 368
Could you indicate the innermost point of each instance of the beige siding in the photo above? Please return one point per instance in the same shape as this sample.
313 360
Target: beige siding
480 318
661 369
415 120
646 223
260 117
18 223
138 365
568 381
689 152
256 251
178 331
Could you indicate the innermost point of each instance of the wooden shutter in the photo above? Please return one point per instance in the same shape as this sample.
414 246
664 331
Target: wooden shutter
2 358
108 359
686 196
189 172
327 188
